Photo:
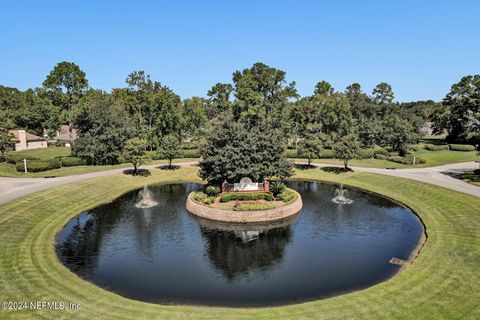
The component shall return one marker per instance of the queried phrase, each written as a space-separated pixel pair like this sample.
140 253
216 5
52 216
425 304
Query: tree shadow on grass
140 172
336 170
166 167
303 166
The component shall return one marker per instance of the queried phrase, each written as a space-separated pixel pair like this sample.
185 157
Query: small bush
246 196
461 147
413 147
368 153
199 196
209 200
251 207
277 187
326 154
70 161
381 157
38 165
212 190
2 158
380 151
287 196
14 158
436 147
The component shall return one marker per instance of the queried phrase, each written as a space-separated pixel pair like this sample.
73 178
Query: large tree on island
65 85
232 151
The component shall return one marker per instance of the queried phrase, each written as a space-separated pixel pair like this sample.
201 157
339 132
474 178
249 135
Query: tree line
258 108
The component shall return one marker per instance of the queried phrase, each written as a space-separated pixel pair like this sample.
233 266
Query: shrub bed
461 147
380 151
246 196
436 147
366 153
407 159
191 153
251 207
38 165
201 197
70 161
287 196
14 158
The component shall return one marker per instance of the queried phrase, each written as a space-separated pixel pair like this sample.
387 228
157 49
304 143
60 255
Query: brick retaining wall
244 216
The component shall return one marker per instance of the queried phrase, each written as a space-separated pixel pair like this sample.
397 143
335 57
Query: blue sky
420 47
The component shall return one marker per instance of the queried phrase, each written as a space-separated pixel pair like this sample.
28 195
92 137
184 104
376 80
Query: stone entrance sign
246 184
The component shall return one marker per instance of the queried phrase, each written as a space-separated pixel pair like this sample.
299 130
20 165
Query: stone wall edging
244 216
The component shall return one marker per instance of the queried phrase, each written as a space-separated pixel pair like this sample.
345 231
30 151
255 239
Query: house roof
30 137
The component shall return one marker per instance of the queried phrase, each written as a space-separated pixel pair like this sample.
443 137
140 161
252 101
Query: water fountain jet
145 199
341 196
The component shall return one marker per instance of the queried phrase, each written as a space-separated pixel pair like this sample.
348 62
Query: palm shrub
212 190
277 187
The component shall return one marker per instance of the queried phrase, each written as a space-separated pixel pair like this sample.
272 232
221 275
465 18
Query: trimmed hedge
245 196
461 147
413 147
14 158
2 158
191 153
70 161
38 165
407 160
436 147
381 157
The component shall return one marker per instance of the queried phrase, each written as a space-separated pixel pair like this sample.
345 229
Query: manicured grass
45 153
433 158
8 170
442 283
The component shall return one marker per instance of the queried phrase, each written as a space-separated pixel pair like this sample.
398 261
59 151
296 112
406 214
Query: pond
165 255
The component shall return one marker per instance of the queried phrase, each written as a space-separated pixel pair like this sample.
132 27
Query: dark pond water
165 255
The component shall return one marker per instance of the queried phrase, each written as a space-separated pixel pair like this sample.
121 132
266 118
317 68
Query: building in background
62 135
26 141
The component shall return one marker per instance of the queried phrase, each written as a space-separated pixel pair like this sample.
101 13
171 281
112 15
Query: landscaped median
245 207
442 282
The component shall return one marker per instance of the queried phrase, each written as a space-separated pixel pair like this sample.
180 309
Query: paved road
14 188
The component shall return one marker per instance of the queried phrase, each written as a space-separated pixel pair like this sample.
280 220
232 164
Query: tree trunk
135 169
345 163
169 163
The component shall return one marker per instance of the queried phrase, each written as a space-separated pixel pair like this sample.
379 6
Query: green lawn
442 283
9 170
45 153
433 158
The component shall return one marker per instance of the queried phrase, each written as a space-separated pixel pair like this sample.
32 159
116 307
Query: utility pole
25 165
